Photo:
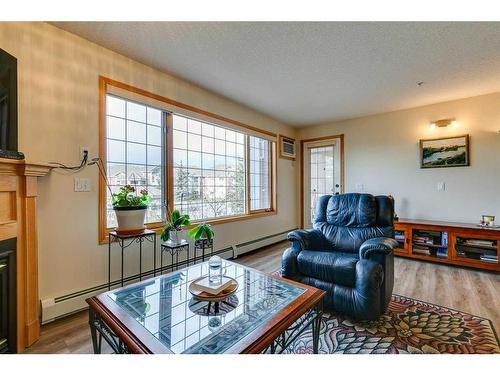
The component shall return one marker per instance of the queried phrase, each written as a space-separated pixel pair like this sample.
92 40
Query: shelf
432 258
428 245
475 260
486 247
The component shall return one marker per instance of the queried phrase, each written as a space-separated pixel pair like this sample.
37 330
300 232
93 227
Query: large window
135 144
210 177
207 170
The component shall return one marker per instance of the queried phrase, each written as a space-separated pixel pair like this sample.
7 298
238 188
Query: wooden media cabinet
460 244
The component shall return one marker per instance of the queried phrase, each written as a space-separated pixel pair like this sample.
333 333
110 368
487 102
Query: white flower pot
175 237
130 219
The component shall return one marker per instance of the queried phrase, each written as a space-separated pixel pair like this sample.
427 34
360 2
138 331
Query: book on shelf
423 251
444 239
442 253
473 242
423 240
489 258
473 249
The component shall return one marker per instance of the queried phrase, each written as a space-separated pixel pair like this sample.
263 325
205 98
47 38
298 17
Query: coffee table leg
316 327
93 332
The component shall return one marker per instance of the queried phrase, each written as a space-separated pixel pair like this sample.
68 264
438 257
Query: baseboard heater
58 307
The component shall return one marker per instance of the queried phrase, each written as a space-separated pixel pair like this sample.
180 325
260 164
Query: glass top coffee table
159 315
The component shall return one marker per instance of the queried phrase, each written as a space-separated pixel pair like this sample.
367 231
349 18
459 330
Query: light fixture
444 123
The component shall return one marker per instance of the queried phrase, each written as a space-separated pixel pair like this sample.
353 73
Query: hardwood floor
475 292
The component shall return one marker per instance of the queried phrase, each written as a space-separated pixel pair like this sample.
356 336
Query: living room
249 187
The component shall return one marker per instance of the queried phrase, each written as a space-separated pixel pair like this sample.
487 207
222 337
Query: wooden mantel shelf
18 192
24 168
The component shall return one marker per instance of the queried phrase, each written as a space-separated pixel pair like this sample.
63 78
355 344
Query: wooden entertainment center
458 244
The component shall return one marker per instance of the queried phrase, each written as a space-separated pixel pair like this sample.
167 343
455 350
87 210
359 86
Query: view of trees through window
209 169
209 163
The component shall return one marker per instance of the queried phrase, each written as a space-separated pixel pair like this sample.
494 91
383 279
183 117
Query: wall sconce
444 123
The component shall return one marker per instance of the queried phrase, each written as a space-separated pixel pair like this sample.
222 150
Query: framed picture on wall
445 152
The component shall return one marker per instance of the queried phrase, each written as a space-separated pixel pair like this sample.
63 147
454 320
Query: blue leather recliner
348 254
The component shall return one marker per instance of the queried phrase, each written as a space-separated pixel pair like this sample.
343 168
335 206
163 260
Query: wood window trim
339 137
103 231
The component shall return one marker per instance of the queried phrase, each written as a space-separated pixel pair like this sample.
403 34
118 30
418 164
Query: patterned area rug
409 326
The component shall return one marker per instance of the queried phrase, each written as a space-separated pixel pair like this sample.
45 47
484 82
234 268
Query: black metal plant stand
174 249
125 241
204 245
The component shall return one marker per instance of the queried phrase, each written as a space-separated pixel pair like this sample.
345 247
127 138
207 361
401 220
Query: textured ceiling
304 73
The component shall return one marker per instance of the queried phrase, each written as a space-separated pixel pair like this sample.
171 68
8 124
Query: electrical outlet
82 184
360 187
441 186
82 152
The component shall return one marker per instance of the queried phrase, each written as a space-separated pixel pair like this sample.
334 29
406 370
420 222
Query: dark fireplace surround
8 295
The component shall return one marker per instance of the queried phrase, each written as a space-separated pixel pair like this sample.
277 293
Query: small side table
205 245
174 249
125 241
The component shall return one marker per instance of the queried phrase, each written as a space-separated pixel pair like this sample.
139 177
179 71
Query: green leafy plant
203 230
176 222
128 197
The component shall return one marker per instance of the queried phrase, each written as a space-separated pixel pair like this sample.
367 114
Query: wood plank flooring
475 292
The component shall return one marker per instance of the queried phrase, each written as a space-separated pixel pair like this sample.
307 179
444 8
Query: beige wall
58 113
382 153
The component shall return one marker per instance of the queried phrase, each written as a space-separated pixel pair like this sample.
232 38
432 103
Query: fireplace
7 295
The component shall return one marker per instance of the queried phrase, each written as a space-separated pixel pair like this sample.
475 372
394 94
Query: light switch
441 186
82 184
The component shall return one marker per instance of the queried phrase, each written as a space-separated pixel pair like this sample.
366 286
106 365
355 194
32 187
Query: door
322 174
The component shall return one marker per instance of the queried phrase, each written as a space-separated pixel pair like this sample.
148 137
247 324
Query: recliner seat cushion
334 267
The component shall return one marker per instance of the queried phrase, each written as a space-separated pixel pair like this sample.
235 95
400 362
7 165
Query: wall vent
287 148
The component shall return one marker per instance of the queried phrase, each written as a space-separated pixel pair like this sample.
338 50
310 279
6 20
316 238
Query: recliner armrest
309 239
377 246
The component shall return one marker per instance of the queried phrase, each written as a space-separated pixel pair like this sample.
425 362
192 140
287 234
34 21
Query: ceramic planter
175 237
130 219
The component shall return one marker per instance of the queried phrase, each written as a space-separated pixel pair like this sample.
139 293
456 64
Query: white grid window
260 174
209 169
135 148
322 174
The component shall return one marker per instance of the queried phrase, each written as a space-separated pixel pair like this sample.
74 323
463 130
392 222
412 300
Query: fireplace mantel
18 192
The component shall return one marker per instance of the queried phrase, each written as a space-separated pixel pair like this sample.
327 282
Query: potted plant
174 226
130 209
202 231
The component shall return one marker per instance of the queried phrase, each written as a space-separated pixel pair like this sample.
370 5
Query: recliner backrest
347 220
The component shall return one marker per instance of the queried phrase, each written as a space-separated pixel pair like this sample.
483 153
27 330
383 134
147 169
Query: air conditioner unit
287 148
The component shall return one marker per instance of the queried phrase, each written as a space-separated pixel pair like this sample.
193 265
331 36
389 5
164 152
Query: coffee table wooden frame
125 335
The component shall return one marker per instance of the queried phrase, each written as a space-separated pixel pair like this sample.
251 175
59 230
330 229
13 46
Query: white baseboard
257 244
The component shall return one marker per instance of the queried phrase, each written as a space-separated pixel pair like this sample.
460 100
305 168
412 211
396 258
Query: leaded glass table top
166 309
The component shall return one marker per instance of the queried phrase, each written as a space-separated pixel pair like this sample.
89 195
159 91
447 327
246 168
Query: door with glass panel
322 175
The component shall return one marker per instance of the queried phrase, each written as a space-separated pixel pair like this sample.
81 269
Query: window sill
157 227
